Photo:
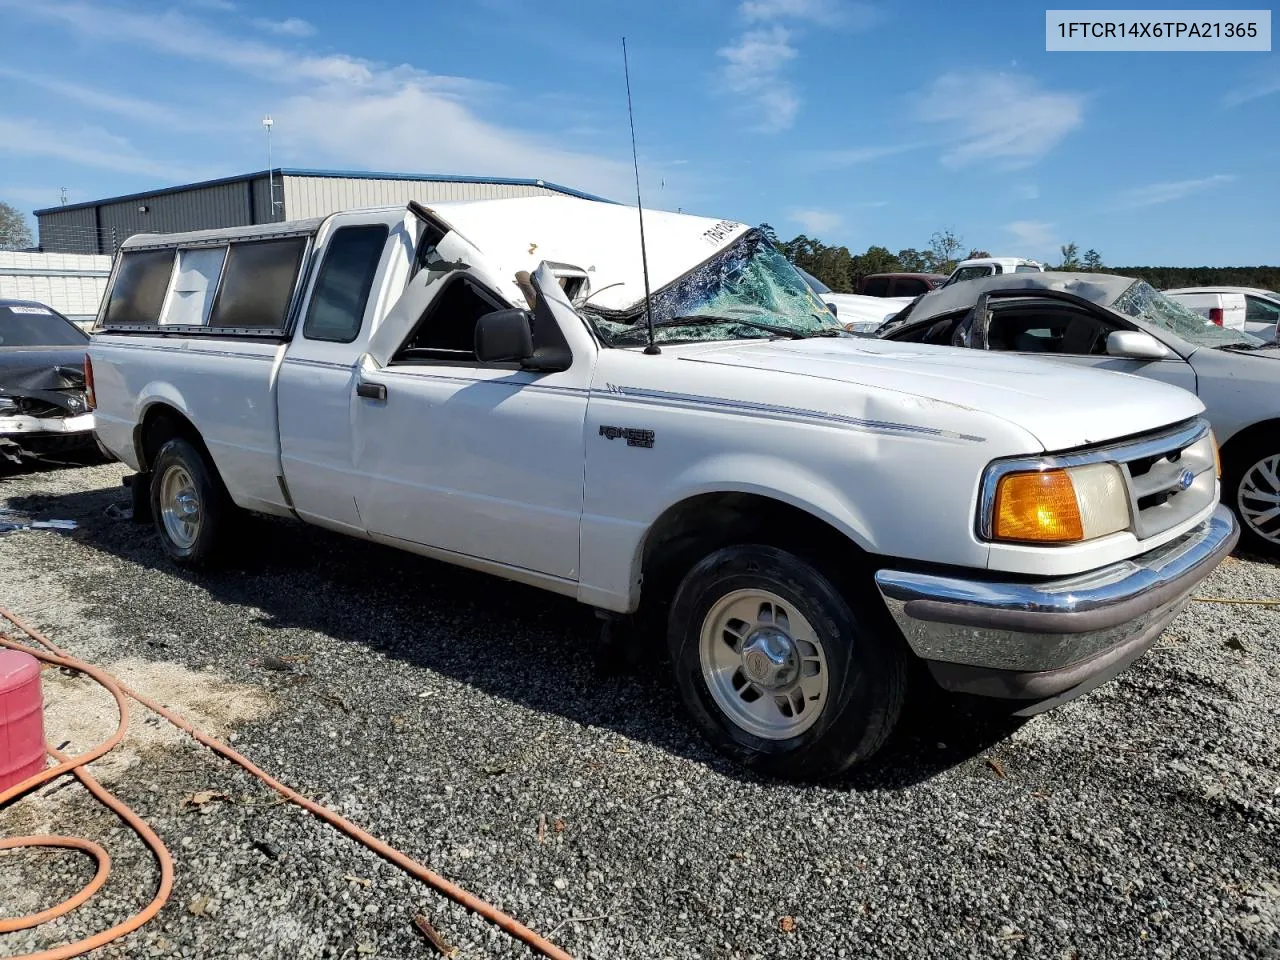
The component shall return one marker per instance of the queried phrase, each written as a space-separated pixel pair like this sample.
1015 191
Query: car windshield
28 325
1144 302
748 279
815 284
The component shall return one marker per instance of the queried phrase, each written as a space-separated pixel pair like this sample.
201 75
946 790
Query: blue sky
859 123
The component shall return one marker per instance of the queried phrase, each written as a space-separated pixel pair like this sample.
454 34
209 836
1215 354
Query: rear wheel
191 509
776 667
1251 486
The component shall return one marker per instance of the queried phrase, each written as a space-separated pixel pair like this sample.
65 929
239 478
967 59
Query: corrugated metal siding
321 196
262 201
68 231
226 205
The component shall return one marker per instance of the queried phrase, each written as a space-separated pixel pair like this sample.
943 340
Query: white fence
71 283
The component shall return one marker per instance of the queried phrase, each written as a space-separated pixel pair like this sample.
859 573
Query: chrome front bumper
1048 641
26 425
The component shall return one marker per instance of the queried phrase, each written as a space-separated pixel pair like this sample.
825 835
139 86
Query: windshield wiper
708 320
1245 346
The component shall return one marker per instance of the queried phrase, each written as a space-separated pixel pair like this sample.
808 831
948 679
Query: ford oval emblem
1185 479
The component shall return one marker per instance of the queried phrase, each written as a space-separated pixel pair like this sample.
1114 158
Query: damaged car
43 404
1125 325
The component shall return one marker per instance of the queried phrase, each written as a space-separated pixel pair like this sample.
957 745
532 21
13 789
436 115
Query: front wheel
776 667
1251 487
191 509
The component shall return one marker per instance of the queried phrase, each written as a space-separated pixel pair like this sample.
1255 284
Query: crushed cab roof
602 239
1100 288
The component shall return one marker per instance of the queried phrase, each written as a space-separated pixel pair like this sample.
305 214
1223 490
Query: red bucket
22 751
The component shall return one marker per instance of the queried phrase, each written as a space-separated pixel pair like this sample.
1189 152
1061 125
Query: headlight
1058 505
8 405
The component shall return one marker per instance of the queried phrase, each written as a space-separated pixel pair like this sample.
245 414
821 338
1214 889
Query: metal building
100 226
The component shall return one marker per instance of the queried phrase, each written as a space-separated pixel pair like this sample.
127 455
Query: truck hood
1062 406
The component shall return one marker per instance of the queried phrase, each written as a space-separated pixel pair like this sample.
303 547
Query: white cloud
336 108
292 27
85 145
37 197
179 35
1034 238
1263 83
817 221
753 67
852 156
756 59
133 108
409 127
997 117
1154 193
827 12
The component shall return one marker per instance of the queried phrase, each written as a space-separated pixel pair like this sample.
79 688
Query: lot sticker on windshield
38 311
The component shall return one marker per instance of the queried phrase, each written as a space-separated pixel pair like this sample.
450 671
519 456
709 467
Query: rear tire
776 667
1251 488
192 511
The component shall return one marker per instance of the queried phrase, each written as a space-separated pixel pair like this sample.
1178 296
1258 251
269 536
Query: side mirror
1135 345
504 336
832 308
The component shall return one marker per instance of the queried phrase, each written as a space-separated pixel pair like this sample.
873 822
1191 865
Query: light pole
267 123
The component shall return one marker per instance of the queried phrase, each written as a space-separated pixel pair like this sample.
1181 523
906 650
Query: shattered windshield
1144 302
747 290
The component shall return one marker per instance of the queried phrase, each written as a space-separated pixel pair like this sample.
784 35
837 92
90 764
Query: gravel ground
452 714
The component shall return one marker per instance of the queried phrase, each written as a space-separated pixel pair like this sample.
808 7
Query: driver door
476 460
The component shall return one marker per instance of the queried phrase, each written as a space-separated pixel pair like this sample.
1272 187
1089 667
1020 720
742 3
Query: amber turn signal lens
1217 455
1037 507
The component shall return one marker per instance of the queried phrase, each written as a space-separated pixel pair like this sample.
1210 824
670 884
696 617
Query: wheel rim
180 507
1258 498
764 664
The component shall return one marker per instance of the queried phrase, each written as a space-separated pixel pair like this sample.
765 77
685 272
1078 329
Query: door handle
371 391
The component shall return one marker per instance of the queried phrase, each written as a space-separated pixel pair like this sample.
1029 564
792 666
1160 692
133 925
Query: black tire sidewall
1235 470
866 668
213 510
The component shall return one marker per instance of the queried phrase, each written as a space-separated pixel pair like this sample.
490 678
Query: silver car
1126 325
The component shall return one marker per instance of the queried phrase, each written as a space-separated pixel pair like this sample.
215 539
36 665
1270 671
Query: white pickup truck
805 512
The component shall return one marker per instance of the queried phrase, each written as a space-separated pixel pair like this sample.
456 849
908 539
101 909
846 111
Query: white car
1121 324
858 314
1249 309
801 512
991 267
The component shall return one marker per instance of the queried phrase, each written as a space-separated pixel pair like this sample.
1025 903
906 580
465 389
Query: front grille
31 407
1170 476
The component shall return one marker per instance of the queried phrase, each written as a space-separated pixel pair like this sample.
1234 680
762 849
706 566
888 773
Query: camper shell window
233 287
141 283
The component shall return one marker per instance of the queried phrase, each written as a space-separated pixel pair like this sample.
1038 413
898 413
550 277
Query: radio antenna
652 348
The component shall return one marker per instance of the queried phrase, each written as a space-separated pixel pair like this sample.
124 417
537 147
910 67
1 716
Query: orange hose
75 765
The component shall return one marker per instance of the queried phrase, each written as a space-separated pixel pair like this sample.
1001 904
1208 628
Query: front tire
192 511
776 667
1251 487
